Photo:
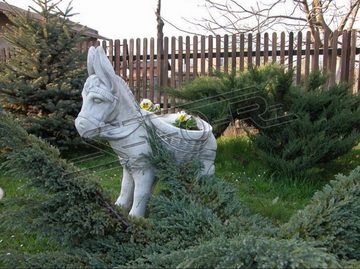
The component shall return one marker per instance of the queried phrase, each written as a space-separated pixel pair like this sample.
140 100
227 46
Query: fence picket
249 52
166 68
159 64
124 62
195 56
352 56
117 56
233 54
202 55
144 68
131 64
137 68
226 53
282 48
210 55
333 58
291 50
307 54
217 52
152 70
180 59
173 74
274 47
344 58
298 58
187 58
315 57
266 48
326 52
242 52
257 51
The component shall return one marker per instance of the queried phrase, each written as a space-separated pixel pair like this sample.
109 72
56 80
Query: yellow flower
146 104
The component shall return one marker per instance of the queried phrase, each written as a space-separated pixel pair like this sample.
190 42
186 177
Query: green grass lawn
276 198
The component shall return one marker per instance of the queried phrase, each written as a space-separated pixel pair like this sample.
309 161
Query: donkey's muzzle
86 128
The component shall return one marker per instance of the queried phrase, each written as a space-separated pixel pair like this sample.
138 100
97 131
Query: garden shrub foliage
332 218
192 222
299 128
327 126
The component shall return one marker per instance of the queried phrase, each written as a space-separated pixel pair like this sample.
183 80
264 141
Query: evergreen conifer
41 84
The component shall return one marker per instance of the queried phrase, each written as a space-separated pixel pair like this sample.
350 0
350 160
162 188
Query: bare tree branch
354 8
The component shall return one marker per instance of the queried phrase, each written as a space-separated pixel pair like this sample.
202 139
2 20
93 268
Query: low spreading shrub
193 221
332 218
241 251
76 207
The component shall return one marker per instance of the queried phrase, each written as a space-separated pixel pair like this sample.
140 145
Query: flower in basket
147 105
185 121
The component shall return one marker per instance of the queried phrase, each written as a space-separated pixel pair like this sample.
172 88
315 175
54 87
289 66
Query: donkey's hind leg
127 190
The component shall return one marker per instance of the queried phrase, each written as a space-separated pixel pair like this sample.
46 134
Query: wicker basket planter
185 142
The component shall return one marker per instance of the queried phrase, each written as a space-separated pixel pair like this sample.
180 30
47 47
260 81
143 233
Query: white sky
118 19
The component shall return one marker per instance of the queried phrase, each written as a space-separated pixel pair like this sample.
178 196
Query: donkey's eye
97 100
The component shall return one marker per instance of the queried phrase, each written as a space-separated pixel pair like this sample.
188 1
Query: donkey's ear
103 68
90 61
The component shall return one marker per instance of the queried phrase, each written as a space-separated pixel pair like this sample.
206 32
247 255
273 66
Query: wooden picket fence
150 65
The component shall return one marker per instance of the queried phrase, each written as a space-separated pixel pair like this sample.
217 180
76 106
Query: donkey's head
100 95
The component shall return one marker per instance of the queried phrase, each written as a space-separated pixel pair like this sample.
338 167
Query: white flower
157 108
182 116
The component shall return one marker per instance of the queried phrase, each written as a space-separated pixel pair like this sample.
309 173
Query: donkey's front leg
143 180
127 190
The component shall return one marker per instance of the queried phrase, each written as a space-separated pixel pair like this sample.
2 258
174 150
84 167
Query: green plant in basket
185 121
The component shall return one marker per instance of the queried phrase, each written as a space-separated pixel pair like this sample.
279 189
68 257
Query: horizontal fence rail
151 65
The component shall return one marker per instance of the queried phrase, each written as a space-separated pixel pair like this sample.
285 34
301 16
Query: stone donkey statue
109 111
